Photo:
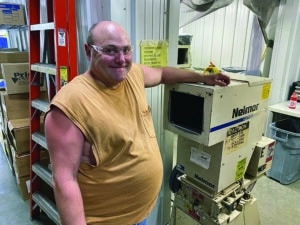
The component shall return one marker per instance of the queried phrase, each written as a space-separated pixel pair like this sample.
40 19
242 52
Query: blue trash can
286 160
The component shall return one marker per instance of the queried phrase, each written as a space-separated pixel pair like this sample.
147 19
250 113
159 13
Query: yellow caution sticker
236 137
63 70
240 169
266 91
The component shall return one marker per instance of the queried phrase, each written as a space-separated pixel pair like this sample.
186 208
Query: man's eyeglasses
112 50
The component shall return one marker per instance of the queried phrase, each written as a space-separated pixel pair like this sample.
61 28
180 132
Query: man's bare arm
65 144
171 75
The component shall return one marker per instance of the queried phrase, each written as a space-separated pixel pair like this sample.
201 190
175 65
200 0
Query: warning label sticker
266 91
201 158
236 137
61 37
240 169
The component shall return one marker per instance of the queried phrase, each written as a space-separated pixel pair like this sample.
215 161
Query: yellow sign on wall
154 53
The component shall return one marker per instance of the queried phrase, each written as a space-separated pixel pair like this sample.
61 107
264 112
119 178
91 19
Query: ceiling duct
200 8
262 9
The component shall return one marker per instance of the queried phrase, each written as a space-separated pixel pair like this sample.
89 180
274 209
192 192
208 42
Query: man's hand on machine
216 79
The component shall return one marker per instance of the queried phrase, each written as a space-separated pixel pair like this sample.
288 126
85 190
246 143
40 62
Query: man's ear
88 51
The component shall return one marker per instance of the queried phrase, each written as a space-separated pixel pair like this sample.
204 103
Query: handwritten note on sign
154 53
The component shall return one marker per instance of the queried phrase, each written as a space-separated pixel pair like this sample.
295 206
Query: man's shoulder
136 69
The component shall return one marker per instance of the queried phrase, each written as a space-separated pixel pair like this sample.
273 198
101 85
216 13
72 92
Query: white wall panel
242 31
285 62
221 37
217 41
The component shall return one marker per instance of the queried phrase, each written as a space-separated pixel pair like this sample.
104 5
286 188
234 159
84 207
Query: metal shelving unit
52 67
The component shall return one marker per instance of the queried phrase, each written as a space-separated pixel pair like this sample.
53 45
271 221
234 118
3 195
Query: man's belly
121 191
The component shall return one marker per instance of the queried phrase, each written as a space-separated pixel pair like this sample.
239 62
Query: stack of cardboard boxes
14 99
15 116
12 14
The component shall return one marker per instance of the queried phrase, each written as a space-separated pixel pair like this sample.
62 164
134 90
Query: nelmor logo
20 77
245 110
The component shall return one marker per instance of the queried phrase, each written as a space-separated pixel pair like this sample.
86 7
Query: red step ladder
52 66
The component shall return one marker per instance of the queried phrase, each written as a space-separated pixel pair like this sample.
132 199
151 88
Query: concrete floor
13 209
278 204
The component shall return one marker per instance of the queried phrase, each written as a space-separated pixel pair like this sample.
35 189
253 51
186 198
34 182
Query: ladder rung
42 26
39 138
43 172
39 104
47 206
44 68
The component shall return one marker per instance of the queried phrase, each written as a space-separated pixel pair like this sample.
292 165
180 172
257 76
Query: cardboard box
8 153
21 163
19 135
12 14
15 106
3 137
45 158
23 184
16 76
12 55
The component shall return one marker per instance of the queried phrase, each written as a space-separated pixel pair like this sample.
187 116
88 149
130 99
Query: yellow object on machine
211 69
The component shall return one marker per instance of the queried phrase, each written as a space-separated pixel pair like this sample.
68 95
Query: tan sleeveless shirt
123 186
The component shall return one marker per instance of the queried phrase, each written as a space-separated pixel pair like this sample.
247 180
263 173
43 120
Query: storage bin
286 160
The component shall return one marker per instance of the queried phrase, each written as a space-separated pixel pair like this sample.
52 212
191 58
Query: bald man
105 159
